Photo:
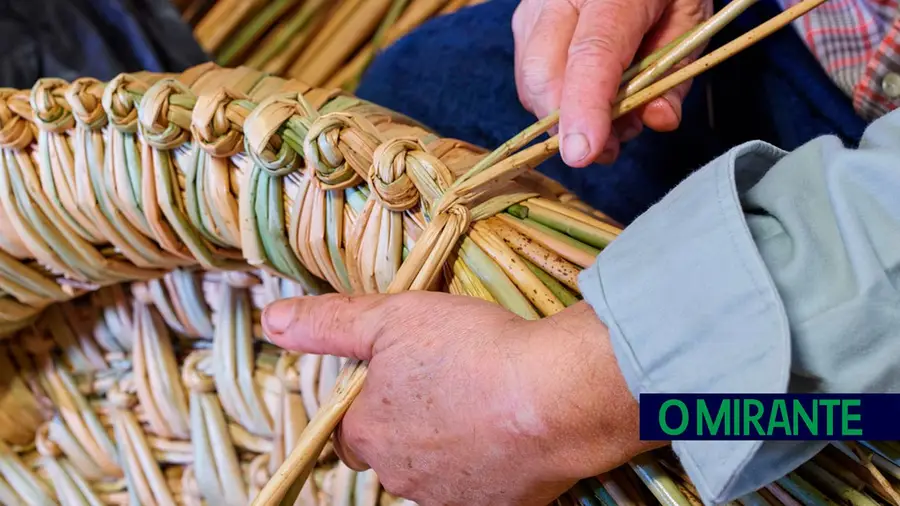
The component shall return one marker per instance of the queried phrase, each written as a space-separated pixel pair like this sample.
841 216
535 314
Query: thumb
333 324
606 38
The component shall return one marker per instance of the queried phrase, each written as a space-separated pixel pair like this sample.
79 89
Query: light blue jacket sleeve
763 272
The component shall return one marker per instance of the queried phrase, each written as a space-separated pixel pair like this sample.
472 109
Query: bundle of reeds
325 43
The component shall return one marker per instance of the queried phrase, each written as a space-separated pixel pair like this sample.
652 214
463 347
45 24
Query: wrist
589 411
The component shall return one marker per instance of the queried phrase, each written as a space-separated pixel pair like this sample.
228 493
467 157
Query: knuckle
592 50
328 319
414 309
537 78
696 10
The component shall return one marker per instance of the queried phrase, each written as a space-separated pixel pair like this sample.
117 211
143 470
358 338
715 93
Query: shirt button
891 85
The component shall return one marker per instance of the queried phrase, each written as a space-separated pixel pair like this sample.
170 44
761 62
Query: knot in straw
462 215
156 114
16 132
194 373
43 444
216 125
388 176
85 101
120 399
288 371
262 141
51 112
323 151
120 99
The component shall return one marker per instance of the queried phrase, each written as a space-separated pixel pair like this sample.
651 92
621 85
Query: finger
542 65
678 18
628 127
361 429
523 21
349 454
329 324
610 151
346 453
606 39
664 113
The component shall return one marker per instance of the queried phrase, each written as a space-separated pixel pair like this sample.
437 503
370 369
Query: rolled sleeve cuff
691 308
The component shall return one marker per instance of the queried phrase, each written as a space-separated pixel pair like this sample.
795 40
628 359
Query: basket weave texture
143 224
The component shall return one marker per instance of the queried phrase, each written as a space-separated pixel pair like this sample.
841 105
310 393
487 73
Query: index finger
606 39
541 64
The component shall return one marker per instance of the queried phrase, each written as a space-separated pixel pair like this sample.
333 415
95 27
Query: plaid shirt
858 44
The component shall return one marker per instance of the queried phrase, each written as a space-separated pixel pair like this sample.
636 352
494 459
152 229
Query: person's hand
465 402
571 54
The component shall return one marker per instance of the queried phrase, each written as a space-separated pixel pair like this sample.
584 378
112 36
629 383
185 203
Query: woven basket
143 224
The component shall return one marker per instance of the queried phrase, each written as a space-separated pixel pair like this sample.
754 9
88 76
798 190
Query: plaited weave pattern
144 223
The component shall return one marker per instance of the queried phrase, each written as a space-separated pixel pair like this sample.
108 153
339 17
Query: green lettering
812 424
705 419
684 417
829 414
753 418
737 418
779 418
847 417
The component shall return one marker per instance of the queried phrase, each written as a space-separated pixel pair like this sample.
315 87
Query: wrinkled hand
466 403
571 54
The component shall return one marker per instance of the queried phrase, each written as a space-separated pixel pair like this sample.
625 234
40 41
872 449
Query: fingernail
277 317
575 147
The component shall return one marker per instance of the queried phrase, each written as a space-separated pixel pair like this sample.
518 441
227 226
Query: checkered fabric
858 44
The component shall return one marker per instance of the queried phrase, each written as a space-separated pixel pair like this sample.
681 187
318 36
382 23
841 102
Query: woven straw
143 224
159 391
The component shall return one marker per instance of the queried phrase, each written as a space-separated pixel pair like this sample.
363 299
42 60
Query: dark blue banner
829 417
